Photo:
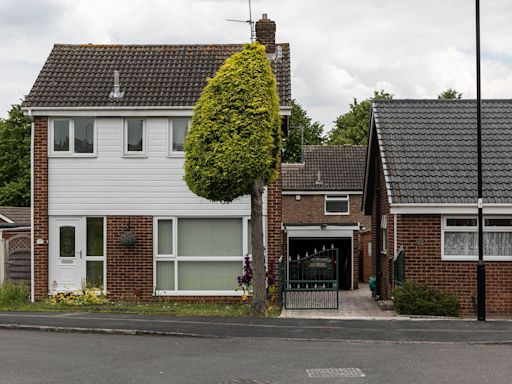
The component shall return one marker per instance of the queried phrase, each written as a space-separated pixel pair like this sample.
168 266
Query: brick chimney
266 33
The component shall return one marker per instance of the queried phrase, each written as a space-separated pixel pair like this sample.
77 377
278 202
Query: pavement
354 304
375 331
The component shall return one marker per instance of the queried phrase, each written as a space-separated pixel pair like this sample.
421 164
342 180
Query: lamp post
480 271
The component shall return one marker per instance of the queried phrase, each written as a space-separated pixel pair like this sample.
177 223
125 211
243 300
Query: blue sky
340 48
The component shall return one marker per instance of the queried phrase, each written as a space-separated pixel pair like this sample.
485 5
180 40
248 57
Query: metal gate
311 282
17 260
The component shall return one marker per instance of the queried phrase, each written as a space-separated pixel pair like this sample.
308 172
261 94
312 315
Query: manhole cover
246 381
334 372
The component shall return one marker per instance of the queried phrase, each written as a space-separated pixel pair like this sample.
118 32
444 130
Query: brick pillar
274 220
40 207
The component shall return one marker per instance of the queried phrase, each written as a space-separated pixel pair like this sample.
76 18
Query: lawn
156 308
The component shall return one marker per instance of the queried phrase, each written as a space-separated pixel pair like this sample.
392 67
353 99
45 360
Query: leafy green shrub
417 299
14 293
85 297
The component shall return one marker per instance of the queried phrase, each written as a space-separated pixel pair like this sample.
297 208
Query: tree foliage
234 144
301 124
352 127
450 94
235 137
15 159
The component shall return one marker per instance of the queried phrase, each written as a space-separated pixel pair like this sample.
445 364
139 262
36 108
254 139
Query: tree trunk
259 299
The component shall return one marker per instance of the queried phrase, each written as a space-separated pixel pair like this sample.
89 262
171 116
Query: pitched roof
326 168
150 75
429 149
19 215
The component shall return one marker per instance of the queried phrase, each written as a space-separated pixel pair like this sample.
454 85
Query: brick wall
420 237
364 239
311 209
40 199
130 269
274 221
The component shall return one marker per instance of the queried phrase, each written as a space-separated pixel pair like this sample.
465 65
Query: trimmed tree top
235 137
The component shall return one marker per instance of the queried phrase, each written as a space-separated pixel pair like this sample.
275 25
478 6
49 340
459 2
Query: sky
340 49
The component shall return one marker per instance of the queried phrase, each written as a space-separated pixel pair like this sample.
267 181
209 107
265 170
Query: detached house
110 206
421 189
322 206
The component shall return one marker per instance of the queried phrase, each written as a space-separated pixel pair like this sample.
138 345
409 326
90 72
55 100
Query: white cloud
340 49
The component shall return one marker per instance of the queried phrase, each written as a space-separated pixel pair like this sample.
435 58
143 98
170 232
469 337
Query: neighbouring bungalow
421 190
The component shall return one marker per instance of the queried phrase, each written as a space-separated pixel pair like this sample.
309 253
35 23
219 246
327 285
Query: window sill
198 293
134 156
174 155
337 214
73 155
475 258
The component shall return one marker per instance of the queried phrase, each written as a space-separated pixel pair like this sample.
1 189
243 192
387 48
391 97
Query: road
49 357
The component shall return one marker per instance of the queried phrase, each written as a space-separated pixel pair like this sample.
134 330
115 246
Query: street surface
49 357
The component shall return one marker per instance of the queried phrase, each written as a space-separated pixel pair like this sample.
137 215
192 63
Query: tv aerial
250 22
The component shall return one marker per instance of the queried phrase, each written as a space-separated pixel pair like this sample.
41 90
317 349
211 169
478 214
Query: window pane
165 237
61 135
498 222
208 275
67 241
461 222
210 237
460 243
179 131
95 236
336 206
498 243
84 135
135 135
165 275
94 277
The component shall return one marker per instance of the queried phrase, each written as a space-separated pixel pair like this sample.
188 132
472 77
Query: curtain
208 275
165 237
165 275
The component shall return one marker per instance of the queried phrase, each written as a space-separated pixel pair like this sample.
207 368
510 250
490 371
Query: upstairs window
73 137
178 131
135 141
336 205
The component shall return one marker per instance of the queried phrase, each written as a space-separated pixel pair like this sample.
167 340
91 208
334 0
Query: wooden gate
17 259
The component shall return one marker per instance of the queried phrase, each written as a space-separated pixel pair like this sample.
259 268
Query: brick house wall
40 201
365 238
274 222
311 209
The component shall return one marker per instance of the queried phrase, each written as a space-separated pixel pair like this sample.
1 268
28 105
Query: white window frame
71 151
171 152
384 234
445 228
97 258
334 197
125 151
176 258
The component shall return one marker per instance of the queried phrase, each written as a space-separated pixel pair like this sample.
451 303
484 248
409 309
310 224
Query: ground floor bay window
460 238
199 256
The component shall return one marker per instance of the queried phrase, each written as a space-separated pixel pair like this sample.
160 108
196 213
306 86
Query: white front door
67 261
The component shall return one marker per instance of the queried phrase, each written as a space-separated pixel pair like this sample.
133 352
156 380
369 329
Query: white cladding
110 184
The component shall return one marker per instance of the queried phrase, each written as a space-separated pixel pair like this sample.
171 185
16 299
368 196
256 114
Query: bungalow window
72 137
134 137
198 255
178 131
460 238
336 205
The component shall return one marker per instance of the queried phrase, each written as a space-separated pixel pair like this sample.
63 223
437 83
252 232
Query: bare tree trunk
259 299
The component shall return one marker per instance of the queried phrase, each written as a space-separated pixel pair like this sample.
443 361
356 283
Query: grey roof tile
429 147
340 167
20 215
150 75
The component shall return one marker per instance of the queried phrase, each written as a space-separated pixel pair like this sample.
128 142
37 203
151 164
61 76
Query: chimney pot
266 33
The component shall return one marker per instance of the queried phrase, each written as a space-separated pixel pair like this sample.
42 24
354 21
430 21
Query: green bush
417 299
14 293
